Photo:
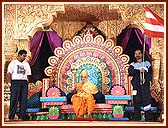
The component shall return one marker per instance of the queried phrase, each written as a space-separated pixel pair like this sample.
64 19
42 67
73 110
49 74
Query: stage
99 39
84 123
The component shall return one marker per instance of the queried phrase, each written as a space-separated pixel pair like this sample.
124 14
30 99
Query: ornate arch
32 18
88 50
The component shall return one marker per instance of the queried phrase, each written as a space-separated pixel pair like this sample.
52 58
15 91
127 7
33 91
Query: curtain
124 38
54 40
35 44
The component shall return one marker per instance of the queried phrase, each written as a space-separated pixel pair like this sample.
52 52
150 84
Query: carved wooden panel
30 17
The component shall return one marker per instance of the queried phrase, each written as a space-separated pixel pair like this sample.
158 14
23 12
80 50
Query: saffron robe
84 101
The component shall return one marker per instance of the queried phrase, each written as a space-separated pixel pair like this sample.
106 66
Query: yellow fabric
89 88
84 101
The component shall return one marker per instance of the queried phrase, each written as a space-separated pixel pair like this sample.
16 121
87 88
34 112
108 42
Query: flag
154 26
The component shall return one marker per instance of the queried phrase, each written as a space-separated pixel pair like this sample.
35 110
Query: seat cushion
99 108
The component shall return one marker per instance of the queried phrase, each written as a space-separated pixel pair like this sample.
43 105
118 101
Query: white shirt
19 70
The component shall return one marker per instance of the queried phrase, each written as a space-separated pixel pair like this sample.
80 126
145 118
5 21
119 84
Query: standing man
142 75
18 71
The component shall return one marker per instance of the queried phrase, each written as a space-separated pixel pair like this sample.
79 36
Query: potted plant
53 112
118 111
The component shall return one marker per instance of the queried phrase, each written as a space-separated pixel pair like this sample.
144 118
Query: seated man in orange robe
83 101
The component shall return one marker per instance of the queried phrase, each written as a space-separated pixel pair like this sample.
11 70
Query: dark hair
138 50
21 52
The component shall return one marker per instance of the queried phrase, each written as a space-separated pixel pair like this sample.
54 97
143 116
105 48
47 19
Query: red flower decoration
76 57
89 53
117 91
53 92
95 54
82 54
108 61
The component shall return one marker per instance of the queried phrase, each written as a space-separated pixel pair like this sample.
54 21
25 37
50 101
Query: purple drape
54 40
35 44
124 38
141 39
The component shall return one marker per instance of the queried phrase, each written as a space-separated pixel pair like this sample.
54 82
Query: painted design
103 57
118 91
53 92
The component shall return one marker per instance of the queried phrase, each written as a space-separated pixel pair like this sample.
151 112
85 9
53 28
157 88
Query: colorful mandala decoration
53 92
103 60
95 68
118 90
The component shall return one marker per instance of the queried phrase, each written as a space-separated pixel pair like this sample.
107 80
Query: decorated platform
107 69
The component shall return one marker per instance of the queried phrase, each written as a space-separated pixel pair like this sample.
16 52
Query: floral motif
117 90
53 92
